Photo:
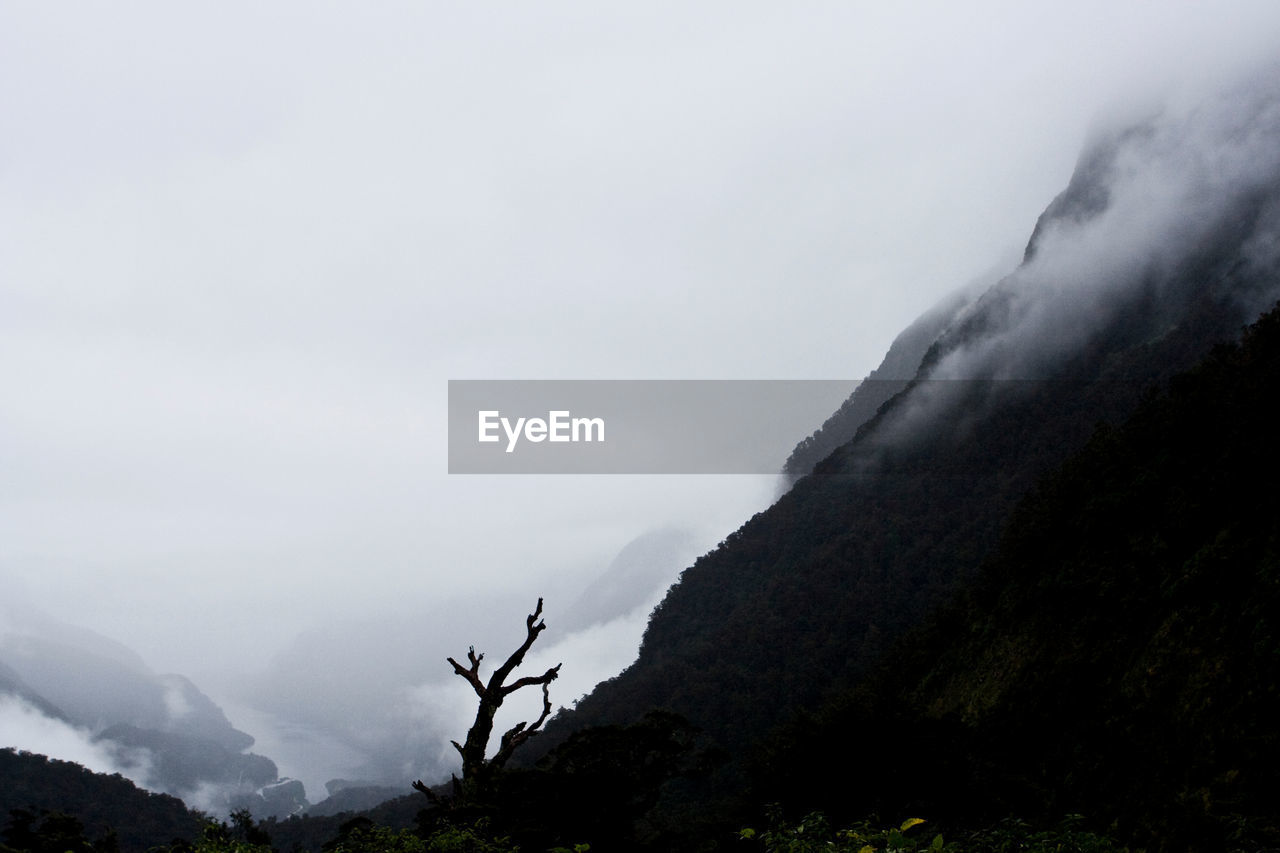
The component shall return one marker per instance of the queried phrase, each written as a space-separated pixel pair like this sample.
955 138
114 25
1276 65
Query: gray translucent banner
634 426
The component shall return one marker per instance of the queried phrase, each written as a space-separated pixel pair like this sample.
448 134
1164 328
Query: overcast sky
244 245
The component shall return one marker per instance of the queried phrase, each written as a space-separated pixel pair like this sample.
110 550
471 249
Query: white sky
243 247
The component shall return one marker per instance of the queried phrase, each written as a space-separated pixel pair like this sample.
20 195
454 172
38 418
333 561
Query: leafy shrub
813 833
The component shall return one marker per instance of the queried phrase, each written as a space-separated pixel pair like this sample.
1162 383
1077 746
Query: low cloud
27 729
1149 203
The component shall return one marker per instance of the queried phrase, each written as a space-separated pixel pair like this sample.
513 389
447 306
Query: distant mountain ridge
643 568
161 729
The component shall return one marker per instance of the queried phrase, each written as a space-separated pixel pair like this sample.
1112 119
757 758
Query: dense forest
1118 654
108 810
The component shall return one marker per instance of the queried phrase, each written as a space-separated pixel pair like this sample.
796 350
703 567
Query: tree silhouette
476 771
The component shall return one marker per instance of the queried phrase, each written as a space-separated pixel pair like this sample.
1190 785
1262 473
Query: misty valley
1020 591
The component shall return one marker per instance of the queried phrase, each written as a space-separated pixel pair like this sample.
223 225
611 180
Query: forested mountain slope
100 804
1119 654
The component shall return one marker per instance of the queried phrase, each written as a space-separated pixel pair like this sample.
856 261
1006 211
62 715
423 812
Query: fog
33 731
244 248
1150 197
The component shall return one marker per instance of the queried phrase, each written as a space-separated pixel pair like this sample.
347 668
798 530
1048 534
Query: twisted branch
491 696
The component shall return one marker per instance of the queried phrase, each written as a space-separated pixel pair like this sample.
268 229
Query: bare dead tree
476 772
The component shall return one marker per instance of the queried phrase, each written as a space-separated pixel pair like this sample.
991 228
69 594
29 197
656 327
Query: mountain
160 729
1165 242
1117 654
644 567
94 690
345 796
100 804
11 684
895 372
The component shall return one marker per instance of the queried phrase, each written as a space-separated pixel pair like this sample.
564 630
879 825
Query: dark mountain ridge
1118 654
102 804
893 375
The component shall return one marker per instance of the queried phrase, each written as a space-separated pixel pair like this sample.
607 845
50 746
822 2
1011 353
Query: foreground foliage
814 833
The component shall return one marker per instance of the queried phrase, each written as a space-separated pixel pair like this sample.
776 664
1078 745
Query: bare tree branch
476 771
518 734
435 798
534 628
472 674
530 680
